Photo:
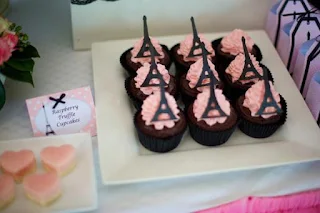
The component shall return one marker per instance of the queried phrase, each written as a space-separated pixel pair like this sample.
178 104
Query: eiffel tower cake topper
268 99
213 104
147 44
153 73
196 42
49 130
248 65
205 70
164 107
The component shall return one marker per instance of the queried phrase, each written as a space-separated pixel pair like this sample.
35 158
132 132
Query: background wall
121 19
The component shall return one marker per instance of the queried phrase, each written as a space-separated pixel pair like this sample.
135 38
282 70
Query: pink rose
12 40
5 51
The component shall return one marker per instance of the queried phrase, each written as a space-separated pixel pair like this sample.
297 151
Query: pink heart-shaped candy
14 162
7 188
57 156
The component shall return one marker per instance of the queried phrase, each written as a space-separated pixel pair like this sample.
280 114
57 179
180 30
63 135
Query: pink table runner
304 202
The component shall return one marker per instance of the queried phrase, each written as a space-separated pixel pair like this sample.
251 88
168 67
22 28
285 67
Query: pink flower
12 40
5 51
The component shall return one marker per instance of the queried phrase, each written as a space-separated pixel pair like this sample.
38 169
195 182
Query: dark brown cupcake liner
223 62
210 138
135 101
160 145
264 130
133 72
233 92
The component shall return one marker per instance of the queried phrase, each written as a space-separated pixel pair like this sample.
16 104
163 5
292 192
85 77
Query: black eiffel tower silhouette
196 42
268 99
205 70
147 45
248 65
49 130
213 102
153 73
314 53
164 107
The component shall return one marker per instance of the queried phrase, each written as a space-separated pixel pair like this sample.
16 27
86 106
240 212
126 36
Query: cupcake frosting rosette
160 132
235 83
137 92
188 82
133 58
228 47
255 123
188 51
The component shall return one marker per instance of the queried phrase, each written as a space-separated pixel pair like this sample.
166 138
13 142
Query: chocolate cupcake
189 51
239 76
262 110
211 118
190 83
228 47
160 124
134 58
144 84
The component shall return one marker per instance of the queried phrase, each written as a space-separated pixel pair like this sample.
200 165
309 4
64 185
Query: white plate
79 187
124 160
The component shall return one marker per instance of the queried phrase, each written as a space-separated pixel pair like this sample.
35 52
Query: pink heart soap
18 164
7 190
43 188
61 159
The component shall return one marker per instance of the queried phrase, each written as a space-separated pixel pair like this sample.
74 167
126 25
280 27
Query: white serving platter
79 187
124 160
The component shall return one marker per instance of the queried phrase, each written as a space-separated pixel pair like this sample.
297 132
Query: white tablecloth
60 68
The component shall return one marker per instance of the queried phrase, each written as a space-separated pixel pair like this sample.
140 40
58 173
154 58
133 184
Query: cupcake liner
154 144
233 92
133 72
135 101
264 130
210 138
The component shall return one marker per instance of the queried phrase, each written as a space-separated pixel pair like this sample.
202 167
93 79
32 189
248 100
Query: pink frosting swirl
232 43
137 46
195 71
186 45
142 74
201 103
254 98
235 68
150 106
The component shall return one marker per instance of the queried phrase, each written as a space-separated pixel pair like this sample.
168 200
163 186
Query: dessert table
61 68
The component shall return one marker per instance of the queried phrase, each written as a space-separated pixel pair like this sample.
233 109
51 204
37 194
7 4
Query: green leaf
2 95
28 52
21 65
17 75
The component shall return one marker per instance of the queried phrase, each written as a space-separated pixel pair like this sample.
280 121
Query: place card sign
66 112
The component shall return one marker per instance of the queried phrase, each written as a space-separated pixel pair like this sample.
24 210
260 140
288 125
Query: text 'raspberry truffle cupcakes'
7 190
140 87
160 124
43 189
18 164
189 51
133 58
228 47
211 118
262 110
197 79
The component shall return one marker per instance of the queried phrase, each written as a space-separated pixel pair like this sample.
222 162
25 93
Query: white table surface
60 68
